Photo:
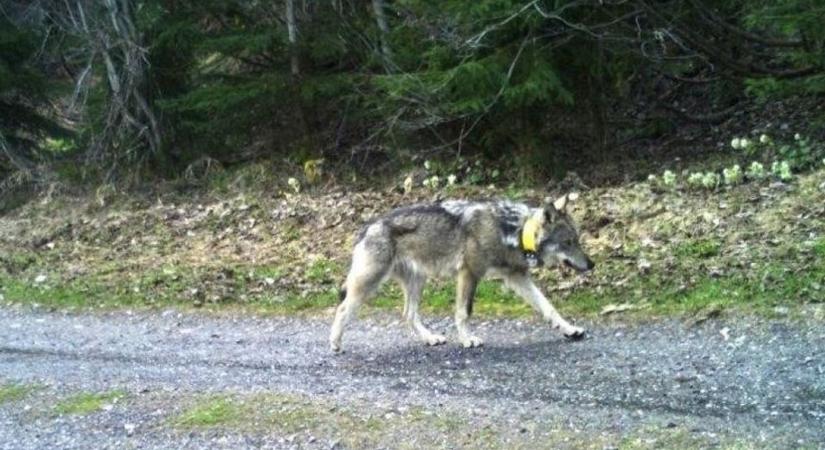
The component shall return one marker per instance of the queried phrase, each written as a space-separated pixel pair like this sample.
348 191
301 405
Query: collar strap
530 232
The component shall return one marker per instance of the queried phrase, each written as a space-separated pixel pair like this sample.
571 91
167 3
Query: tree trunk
384 29
292 30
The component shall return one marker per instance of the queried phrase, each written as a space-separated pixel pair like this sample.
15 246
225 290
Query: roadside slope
757 246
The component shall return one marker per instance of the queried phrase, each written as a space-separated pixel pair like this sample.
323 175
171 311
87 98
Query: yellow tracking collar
530 233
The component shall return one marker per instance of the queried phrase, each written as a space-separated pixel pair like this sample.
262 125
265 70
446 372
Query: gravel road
751 382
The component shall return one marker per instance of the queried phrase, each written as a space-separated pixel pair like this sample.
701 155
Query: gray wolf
467 240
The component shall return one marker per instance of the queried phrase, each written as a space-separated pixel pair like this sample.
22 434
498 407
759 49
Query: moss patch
87 402
287 414
212 412
358 425
13 392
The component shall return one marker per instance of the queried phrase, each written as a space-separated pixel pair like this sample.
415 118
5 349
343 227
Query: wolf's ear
561 203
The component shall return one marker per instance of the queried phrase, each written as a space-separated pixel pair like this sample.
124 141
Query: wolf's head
556 238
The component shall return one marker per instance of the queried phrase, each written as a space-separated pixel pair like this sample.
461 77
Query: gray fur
464 239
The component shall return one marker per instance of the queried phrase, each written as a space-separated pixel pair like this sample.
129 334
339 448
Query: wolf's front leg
526 289
465 293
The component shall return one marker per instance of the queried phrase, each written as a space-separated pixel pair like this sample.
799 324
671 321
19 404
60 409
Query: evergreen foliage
24 92
449 75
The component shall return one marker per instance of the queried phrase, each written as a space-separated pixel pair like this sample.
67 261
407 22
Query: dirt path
721 383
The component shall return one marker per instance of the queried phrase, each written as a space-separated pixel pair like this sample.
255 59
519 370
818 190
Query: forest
125 91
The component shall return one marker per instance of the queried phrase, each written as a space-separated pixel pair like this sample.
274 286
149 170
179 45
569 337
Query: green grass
360 425
686 288
354 425
759 292
15 262
654 438
701 248
87 402
13 392
284 413
819 248
323 271
71 295
211 412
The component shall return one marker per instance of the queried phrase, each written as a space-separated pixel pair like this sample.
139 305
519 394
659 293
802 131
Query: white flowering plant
710 180
756 171
669 178
732 175
801 154
431 182
781 170
695 180
457 172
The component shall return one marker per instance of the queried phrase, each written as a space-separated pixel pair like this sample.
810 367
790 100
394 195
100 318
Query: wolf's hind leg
369 269
413 285
465 293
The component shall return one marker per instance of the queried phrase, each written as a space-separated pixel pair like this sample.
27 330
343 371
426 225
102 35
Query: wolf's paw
575 333
471 341
335 347
435 339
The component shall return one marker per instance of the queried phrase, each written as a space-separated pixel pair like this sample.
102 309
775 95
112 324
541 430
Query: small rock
130 428
725 332
781 311
40 278
644 266
682 377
